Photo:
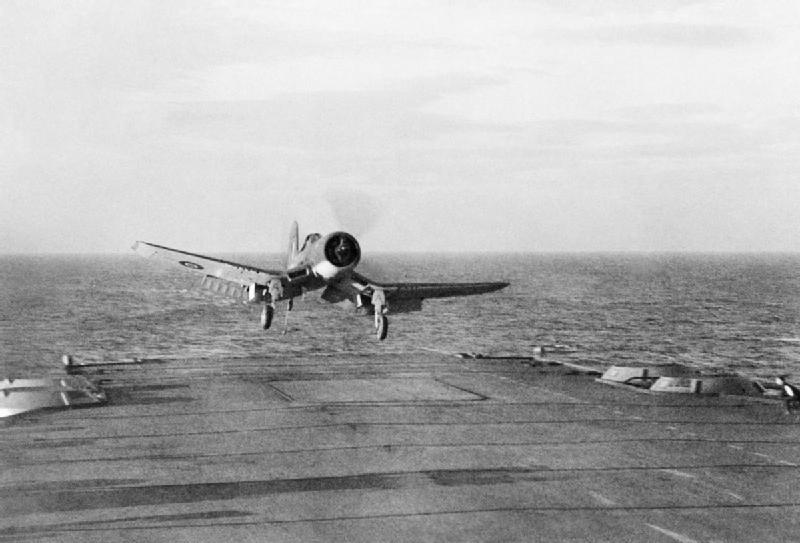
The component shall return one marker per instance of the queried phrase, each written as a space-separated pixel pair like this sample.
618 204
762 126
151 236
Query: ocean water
723 312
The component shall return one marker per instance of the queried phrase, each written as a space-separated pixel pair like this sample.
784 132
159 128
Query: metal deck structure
397 447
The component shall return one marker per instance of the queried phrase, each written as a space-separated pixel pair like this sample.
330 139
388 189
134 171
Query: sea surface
715 312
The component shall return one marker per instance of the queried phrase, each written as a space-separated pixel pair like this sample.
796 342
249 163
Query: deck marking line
680 473
778 460
768 457
674 535
602 499
543 389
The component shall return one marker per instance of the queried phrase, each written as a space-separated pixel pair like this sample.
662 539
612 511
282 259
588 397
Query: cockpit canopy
311 238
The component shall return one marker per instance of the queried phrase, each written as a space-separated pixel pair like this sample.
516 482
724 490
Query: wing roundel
234 272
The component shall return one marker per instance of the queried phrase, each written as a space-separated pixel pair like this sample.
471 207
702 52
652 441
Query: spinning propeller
356 212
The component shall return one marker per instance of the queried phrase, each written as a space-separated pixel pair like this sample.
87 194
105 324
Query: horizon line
455 252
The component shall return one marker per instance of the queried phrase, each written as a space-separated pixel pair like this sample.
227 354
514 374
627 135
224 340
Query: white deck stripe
674 535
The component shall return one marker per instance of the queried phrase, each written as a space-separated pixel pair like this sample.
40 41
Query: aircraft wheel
266 316
383 328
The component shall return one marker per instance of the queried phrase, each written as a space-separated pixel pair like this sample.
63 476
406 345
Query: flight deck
414 446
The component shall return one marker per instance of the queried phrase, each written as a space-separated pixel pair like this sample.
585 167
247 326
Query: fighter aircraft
324 263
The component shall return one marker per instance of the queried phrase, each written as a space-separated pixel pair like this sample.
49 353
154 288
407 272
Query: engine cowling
339 252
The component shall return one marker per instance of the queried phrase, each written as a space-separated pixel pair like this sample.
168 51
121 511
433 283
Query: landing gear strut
378 299
289 306
275 288
381 322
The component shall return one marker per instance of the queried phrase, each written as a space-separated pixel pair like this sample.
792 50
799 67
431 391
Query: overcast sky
539 125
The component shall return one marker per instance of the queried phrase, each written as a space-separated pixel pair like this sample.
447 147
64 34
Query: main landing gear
268 312
266 316
380 307
381 327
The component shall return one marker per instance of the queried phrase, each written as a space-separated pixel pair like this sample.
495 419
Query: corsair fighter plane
324 263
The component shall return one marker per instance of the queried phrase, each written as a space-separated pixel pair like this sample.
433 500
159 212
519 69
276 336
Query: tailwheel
383 327
266 316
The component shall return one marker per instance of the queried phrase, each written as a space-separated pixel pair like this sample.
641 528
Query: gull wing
240 274
403 291
404 297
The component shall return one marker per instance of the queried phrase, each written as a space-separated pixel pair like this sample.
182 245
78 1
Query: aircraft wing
233 272
404 297
402 291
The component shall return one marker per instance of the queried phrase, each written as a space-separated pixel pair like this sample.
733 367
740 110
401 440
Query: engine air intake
342 250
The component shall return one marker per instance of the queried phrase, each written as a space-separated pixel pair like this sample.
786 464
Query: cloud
80 45
675 35
621 7
670 111
331 119
150 118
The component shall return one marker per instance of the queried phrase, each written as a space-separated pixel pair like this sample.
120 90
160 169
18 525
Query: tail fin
294 244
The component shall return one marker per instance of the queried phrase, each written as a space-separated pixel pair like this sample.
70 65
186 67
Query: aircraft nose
342 250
